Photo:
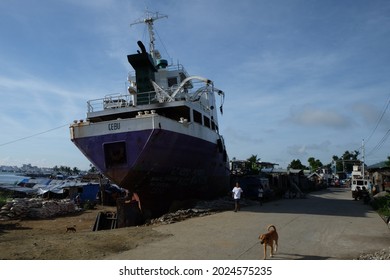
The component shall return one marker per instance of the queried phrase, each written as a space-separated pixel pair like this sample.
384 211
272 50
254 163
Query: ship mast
149 18
363 151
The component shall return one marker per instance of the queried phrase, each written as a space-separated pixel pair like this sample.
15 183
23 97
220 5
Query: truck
361 186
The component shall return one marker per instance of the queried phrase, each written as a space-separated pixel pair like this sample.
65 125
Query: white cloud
315 116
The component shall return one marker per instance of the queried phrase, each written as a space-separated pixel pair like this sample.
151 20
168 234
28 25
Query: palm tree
253 166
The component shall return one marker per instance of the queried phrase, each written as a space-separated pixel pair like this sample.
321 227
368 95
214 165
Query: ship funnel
141 46
144 67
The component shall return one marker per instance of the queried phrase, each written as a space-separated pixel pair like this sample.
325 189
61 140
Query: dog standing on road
270 239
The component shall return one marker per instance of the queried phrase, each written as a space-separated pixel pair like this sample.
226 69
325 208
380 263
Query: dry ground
48 239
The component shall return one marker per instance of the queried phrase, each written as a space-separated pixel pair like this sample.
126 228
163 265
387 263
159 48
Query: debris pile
383 254
178 216
202 208
36 208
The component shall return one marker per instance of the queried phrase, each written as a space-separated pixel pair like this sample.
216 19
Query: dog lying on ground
71 229
270 239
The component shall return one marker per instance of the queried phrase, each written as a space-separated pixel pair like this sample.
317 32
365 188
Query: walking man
237 191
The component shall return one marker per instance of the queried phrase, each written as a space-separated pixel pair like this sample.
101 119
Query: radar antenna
148 19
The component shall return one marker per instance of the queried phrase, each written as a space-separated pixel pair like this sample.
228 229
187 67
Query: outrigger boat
161 138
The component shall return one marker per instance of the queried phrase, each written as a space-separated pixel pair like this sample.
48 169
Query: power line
379 120
380 143
387 134
27 137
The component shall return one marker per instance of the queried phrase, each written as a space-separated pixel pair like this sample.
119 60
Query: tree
76 171
92 168
253 167
351 155
66 170
296 164
314 163
387 163
56 169
346 161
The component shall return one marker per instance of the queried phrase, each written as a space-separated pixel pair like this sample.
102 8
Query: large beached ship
161 138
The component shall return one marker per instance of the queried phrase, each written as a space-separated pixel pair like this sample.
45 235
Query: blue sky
302 78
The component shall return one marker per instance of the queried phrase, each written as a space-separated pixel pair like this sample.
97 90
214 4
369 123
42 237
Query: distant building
380 177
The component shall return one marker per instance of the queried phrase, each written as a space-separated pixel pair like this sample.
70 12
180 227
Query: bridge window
206 121
172 81
197 117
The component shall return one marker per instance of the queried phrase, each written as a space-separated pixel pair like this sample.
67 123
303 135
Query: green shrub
89 205
382 205
3 199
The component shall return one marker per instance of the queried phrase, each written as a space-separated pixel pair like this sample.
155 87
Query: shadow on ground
331 201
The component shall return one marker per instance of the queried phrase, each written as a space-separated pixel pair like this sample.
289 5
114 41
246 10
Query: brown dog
270 239
71 229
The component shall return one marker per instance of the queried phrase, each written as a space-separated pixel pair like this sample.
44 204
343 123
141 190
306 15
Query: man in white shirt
237 191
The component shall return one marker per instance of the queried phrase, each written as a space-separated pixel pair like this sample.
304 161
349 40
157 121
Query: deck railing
117 100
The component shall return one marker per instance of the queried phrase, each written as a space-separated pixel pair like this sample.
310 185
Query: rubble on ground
36 208
202 208
383 254
178 216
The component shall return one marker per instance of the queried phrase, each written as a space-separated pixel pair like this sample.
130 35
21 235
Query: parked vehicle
361 187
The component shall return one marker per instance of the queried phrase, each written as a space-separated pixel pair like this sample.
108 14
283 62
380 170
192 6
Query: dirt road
325 225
